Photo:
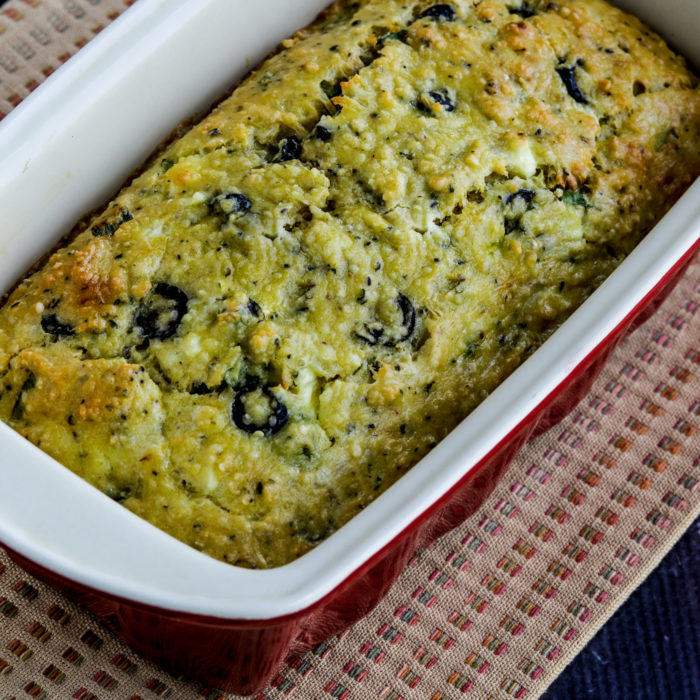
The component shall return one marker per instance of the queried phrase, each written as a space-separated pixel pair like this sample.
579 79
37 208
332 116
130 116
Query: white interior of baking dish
70 145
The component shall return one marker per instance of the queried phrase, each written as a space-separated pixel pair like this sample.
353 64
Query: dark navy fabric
650 648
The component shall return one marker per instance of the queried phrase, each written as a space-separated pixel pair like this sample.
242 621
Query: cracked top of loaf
315 284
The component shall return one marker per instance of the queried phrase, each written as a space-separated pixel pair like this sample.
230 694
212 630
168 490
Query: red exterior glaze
242 655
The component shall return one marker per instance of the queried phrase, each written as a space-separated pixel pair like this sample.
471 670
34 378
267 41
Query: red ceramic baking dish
195 616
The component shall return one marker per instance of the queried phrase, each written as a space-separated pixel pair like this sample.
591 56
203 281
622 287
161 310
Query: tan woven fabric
498 606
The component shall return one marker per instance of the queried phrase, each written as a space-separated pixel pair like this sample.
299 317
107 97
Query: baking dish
205 619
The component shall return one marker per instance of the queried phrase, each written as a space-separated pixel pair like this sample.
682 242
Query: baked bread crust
316 283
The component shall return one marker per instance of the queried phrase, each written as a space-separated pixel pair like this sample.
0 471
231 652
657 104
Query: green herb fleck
471 350
396 36
663 137
576 198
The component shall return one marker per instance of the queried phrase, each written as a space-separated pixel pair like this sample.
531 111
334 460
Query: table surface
648 649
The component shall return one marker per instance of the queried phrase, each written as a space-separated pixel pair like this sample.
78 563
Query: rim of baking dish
57 520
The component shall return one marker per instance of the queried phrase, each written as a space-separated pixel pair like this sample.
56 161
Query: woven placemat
494 609
649 649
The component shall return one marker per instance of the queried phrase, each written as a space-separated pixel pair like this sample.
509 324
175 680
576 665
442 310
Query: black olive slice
442 99
568 77
289 149
224 205
526 195
439 97
443 11
50 324
409 316
199 389
18 408
511 225
519 202
254 309
109 227
372 334
323 133
276 413
524 11
161 311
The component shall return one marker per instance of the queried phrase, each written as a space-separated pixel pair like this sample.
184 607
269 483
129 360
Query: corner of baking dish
55 519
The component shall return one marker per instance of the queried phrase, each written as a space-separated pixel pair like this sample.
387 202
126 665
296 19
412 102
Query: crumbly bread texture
314 285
